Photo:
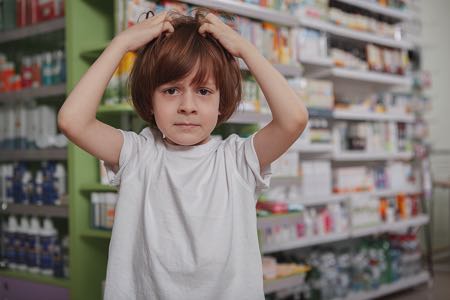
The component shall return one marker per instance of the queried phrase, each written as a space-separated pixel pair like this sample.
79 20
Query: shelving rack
54 93
88 247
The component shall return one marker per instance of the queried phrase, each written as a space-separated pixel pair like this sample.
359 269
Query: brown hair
172 57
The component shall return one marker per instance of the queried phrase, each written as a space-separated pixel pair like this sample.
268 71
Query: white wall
435 42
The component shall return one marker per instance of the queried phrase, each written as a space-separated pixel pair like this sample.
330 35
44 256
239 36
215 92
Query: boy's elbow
301 119
62 122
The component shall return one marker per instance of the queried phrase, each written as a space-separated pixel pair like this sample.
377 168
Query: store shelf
363 76
312 148
306 242
29 31
362 156
33 155
317 61
61 282
334 237
387 289
379 9
277 219
96 233
371 116
320 200
275 285
390 227
97 187
57 211
248 10
387 192
285 70
33 93
353 34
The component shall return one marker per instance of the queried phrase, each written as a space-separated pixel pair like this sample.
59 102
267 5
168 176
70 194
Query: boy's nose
187 105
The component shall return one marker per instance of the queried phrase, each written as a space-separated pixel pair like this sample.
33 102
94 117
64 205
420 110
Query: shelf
248 10
285 70
33 155
364 76
33 93
362 156
306 242
371 116
311 148
29 31
387 192
379 9
387 289
274 285
98 187
96 233
317 61
320 200
353 34
23 275
390 227
58 211
277 219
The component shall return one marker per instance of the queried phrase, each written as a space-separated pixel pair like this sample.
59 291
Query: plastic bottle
10 242
60 182
47 239
27 72
47 69
36 71
38 188
22 237
33 246
26 193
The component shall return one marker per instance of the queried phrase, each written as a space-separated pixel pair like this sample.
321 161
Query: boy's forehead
189 79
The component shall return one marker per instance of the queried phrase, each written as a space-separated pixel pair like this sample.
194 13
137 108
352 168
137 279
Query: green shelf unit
37 278
97 187
89 29
96 233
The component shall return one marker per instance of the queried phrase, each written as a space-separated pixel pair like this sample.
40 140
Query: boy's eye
204 92
170 91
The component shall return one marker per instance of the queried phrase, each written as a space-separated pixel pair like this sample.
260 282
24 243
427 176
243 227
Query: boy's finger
206 27
213 18
167 27
157 18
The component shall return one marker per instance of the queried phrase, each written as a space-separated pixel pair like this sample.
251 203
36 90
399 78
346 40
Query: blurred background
358 207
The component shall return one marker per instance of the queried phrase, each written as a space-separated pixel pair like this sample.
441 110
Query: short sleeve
248 165
133 147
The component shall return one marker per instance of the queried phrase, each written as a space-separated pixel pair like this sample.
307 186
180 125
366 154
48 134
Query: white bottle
39 181
60 182
47 239
22 236
10 242
33 246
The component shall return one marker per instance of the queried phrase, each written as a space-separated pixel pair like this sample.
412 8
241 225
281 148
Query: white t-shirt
185 223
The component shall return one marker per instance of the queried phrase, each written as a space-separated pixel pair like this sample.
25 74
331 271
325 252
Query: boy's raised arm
77 117
289 114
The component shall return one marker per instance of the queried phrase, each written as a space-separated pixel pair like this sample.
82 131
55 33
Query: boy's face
186 114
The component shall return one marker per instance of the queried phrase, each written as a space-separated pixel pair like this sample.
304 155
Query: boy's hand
228 38
142 33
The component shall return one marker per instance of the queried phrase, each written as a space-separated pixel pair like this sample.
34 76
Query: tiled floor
439 290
